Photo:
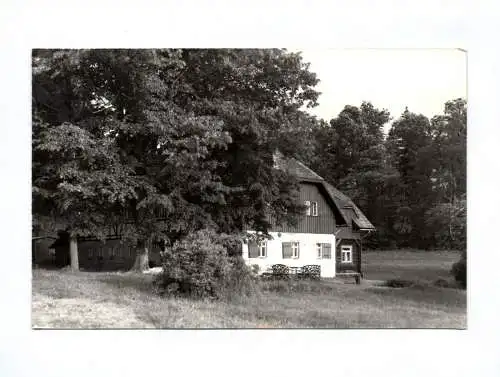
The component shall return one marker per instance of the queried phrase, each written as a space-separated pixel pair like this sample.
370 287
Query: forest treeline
191 133
410 183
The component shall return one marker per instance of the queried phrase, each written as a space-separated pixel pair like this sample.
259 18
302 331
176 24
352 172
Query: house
329 234
109 255
41 251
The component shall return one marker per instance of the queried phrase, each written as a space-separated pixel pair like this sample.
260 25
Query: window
114 251
262 249
311 208
257 249
307 203
346 254
295 249
324 250
314 208
291 250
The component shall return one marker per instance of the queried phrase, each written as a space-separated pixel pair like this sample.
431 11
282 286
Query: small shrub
444 283
255 269
398 283
199 266
240 282
459 271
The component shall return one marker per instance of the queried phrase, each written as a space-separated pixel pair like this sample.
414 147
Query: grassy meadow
62 299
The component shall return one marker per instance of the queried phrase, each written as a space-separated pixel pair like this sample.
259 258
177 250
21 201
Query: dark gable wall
324 223
356 256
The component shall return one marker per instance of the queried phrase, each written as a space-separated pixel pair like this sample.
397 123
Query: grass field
62 299
422 266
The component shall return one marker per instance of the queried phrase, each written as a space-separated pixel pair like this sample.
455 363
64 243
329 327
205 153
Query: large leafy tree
350 153
257 95
410 151
164 141
447 218
76 172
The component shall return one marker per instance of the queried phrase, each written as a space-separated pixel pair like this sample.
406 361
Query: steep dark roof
349 211
296 168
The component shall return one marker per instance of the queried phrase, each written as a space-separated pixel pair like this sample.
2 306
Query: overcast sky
422 79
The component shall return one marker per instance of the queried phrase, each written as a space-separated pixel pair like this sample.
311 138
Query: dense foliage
123 138
200 265
410 184
160 144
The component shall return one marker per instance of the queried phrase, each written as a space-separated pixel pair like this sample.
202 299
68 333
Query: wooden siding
347 232
324 223
356 256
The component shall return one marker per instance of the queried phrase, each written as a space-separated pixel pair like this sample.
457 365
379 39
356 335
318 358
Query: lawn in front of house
62 299
419 266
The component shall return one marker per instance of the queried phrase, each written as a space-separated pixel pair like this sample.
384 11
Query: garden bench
310 271
280 271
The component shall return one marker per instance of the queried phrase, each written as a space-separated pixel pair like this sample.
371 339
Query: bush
398 283
255 268
459 271
241 280
199 266
444 283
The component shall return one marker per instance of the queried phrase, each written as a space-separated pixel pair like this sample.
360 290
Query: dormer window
314 208
311 208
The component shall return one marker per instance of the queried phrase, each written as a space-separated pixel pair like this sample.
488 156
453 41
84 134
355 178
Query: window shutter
327 251
253 250
287 250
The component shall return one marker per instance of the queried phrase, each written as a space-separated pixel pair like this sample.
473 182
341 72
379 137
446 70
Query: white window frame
346 254
314 208
307 203
295 249
262 246
319 250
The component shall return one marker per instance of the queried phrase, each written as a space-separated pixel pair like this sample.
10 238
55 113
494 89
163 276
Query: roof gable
295 168
351 214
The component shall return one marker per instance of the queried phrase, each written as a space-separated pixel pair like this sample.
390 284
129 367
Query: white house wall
307 254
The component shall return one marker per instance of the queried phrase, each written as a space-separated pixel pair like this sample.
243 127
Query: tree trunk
141 263
73 253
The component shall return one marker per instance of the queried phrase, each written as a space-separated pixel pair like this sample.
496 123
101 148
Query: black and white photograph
240 188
